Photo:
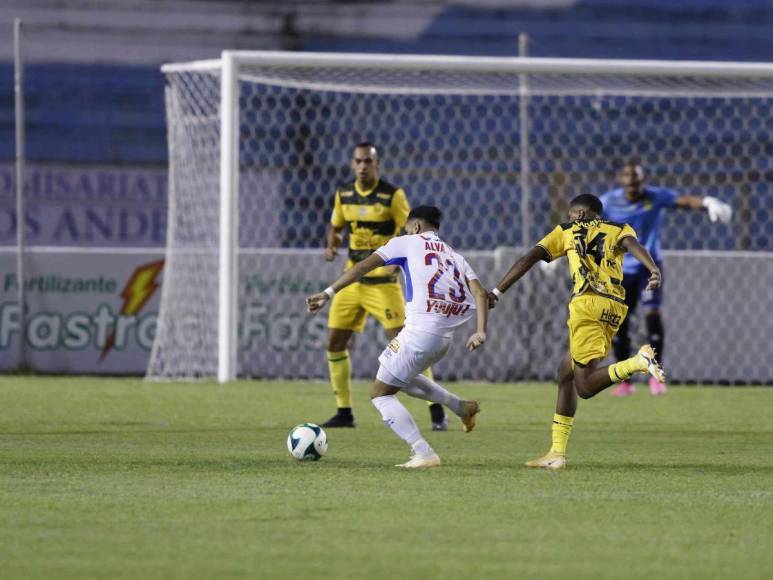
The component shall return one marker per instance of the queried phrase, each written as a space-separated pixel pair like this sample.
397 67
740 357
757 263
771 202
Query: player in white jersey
442 292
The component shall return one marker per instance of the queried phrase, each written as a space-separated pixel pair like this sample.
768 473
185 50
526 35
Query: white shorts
408 354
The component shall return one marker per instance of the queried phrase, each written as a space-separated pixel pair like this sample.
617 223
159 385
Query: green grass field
116 478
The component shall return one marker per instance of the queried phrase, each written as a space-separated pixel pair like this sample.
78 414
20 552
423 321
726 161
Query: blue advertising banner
86 206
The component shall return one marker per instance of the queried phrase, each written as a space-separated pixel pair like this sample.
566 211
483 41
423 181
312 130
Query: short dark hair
631 162
427 213
366 145
588 201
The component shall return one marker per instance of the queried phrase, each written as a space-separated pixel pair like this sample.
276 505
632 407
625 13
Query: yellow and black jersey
594 253
374 217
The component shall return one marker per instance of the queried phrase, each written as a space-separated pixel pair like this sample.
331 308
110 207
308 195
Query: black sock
655 333
436 412
345 411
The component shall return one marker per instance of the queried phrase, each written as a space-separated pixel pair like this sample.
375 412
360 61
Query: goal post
228 274
261 138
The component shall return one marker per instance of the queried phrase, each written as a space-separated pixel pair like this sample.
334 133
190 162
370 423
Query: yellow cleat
469 410
550 460
650 364
421 462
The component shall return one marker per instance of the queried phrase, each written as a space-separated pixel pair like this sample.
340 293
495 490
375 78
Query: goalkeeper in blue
641 206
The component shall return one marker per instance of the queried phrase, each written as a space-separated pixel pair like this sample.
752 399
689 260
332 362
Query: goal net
500 145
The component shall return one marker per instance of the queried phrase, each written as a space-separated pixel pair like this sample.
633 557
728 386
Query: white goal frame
231 62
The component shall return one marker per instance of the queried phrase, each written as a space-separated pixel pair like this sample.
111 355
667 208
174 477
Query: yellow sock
340 377
624 369
562 428
428 373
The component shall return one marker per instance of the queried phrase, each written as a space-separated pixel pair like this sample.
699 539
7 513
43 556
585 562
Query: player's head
365 163
631 177
585 207
422 219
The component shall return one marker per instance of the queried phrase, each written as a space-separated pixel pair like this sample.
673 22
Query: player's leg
385 303
340 369
651 303
423 388
563 419
397 418
436 412
346 316
591 379
621 344
593 321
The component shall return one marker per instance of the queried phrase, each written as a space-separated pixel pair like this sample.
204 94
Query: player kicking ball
594 249
441 292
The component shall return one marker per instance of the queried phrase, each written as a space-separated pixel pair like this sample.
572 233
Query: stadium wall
94 311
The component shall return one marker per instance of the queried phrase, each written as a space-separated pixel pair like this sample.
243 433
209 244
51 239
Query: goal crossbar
517 65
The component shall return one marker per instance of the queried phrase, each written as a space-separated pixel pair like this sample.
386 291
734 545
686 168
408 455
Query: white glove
718 210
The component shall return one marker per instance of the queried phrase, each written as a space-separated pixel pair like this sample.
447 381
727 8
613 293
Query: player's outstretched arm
480 296
516 272
632 246
315 302
333 239
717 210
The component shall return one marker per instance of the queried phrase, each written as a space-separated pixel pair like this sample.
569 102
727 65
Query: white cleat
651 365
421 462
548 461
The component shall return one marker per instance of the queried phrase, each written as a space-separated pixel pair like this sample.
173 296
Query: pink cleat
624 389
656 387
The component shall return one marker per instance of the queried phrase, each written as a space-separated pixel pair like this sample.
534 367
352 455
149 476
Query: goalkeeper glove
718 210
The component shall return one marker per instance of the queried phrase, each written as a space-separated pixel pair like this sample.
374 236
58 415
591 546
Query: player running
641 206
442 293
374 211
595 250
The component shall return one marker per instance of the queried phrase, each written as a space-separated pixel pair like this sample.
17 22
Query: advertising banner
87 310
86 206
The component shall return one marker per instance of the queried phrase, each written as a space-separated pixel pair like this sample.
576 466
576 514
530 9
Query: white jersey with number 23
437 288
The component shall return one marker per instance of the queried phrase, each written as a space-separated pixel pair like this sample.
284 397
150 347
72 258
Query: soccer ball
307 441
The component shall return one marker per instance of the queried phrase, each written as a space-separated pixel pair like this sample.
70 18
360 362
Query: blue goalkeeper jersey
644 216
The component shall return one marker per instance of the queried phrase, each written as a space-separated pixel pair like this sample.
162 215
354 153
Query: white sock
423 388
397 417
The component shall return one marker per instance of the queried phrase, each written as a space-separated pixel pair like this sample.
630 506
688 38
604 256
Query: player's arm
517 271
334 234
631 245
400 210
333 238
717 210
316 301
480 296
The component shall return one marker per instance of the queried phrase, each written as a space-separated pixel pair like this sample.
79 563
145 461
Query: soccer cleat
624 389
421 461
469 410
656 387
339 420
550 460
440 425
650 364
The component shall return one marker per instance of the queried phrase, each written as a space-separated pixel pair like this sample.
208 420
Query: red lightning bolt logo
138 290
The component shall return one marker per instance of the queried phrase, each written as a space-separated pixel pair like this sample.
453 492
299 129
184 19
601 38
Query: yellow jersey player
594 249
374 211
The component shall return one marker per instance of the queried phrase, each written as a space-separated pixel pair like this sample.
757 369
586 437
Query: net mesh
454 139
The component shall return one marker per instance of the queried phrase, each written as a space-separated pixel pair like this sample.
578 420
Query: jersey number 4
441 269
